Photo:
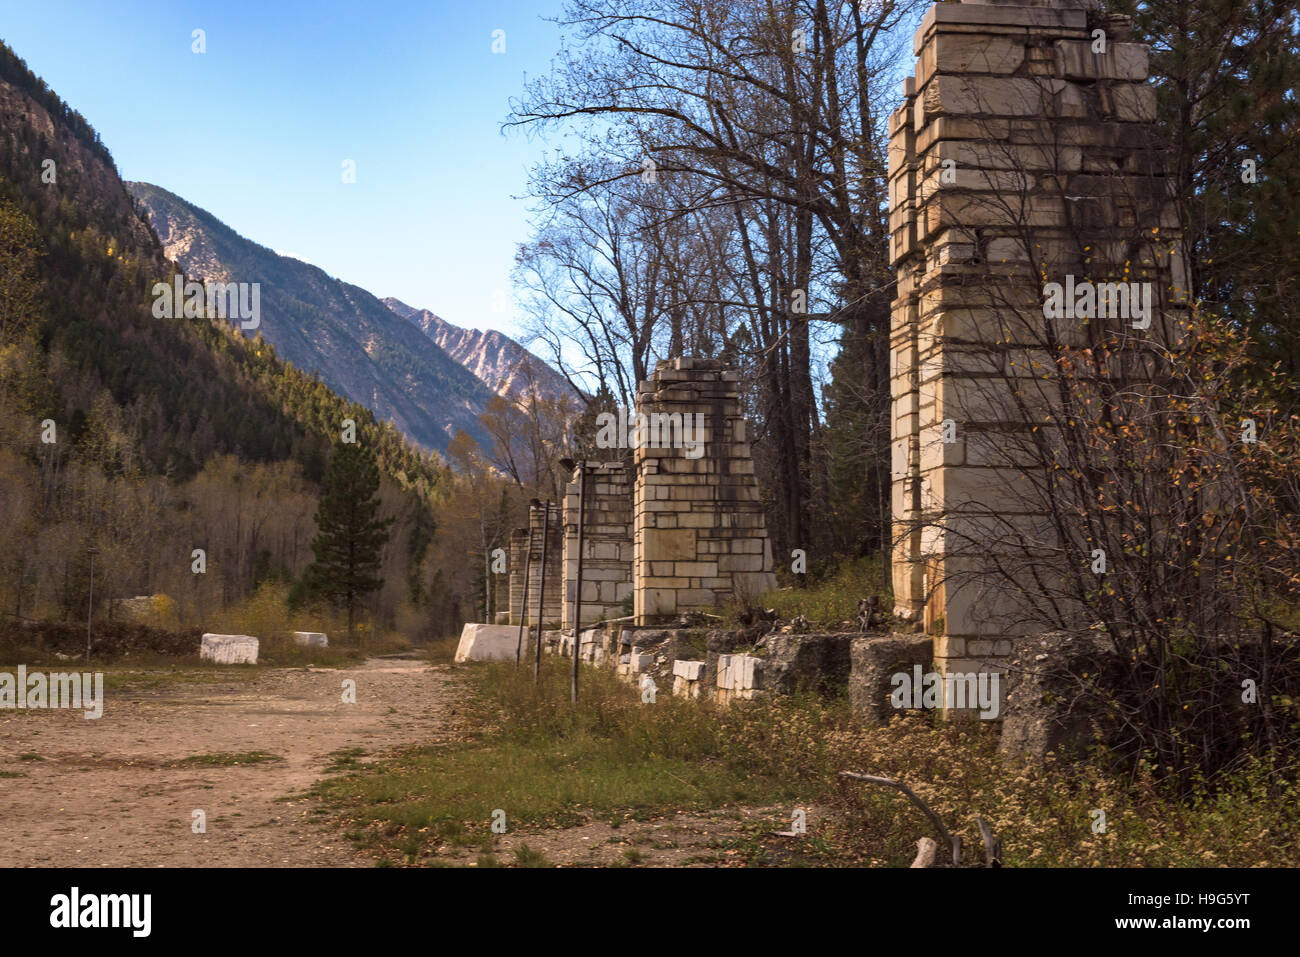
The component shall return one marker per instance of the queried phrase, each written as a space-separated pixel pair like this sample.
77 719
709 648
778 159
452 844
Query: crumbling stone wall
1024 154
606 542
700 534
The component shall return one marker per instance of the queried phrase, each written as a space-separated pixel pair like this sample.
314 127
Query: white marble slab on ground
229 649
487 642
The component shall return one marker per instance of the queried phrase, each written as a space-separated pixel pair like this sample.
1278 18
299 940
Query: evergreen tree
852 486
1226 73
350 536
20 283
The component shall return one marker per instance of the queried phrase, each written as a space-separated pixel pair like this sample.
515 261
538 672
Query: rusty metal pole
541 592
577 602
523 599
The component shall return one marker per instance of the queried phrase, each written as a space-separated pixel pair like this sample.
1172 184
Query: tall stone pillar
518 550
1024 157
701 537
551 604
606 542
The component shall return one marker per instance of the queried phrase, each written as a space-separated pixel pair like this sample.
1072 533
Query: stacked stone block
688 678
518 548
606 541
700 535
738 677
1022 155
551 604
551 607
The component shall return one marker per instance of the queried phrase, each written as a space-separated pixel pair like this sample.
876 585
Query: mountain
357 345
80 344
502 364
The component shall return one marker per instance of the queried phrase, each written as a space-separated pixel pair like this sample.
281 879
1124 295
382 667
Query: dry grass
552 765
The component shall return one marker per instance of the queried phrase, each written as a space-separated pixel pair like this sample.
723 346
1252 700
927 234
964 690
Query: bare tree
774 114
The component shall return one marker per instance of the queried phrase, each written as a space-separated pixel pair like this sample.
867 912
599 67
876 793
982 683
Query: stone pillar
518 546
607 541
551 606
1022 156
701 538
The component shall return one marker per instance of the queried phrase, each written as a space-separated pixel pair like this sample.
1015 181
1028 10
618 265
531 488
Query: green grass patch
831 598
229 758
547 764
525 856
345 760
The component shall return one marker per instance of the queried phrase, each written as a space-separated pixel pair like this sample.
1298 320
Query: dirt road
118 791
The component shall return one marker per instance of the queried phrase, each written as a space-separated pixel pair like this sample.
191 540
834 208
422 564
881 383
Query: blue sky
256 129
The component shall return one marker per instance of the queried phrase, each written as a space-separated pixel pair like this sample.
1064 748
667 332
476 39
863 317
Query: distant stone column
518 548
607 541
1024 157
701 537
551 604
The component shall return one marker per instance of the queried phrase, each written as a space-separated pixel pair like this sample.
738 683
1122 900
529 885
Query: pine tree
350 536
853 484
1226 72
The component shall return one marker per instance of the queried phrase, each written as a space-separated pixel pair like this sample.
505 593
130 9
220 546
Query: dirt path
112 792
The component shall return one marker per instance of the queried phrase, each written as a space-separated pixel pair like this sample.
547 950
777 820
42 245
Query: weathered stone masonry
700 533
518 546
1020 156
607 542
551 606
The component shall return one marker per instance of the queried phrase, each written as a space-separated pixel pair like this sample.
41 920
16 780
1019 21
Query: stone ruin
1024 154
678 530
675 529
514 612
700 534
524 607
607 563
1021 156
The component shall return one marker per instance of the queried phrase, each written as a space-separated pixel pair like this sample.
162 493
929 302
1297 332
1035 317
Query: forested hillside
144 437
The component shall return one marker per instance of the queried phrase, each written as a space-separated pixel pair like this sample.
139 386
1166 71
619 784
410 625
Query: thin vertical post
90 605
577 603
523 599
541 592
487 586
